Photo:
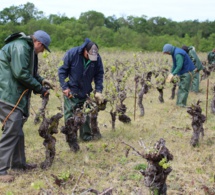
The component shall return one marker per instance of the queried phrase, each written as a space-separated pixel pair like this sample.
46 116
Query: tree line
125 33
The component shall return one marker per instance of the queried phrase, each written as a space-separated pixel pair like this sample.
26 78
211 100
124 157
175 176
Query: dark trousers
12 151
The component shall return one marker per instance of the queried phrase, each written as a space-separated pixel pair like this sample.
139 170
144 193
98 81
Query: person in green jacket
211 57
18 78
196 61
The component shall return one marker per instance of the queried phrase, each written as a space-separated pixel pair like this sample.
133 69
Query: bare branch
76 185
132 148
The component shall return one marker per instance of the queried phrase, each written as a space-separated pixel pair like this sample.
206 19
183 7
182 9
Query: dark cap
92 50
185 48
43 37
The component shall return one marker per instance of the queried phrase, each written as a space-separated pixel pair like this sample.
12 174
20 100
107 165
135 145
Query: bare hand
66 92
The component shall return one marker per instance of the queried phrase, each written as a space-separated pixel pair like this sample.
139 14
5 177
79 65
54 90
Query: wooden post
135 99
207 99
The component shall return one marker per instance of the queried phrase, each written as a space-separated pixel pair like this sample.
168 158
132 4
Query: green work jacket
195 58
18 72
211 57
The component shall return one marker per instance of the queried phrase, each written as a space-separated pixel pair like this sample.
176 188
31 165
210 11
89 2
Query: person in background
195 59
211 59
82 65
183 67
18 78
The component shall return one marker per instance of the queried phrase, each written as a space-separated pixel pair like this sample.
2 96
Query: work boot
97 136
28 167
6 178
87 138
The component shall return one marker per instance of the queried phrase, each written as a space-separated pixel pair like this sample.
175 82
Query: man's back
211 57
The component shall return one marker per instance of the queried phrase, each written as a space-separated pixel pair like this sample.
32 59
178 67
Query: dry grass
103 164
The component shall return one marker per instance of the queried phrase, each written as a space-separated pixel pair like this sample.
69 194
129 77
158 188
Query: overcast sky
175 10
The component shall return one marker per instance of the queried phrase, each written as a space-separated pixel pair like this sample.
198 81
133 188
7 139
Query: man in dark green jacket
211 58
195 59
18 78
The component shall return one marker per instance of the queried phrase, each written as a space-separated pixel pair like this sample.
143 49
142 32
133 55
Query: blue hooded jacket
80 78
188 65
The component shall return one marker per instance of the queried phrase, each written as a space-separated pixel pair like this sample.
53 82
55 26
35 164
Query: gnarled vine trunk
48 127
197 123
158 169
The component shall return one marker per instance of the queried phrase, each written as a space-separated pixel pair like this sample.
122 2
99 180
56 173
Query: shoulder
180 51
73 50
21 42
21 45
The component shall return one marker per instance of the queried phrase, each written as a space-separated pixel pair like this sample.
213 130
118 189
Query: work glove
44 92
99 97
47 82
169 78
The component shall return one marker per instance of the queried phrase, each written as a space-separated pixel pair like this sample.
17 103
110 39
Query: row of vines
130 77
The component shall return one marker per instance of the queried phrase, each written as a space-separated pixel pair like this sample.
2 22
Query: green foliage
104 145
92 19
199 170
136 177
67 79
60 63
212 179
90 146
123 160
20 14
164 164
64 176
175 79
9 193
140 167
113 69
45 54
126 33
37 185
154 192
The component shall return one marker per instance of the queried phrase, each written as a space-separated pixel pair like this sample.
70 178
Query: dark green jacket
211 57
195 58
18 72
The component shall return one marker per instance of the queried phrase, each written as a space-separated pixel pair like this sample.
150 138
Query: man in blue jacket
183 67
82 65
